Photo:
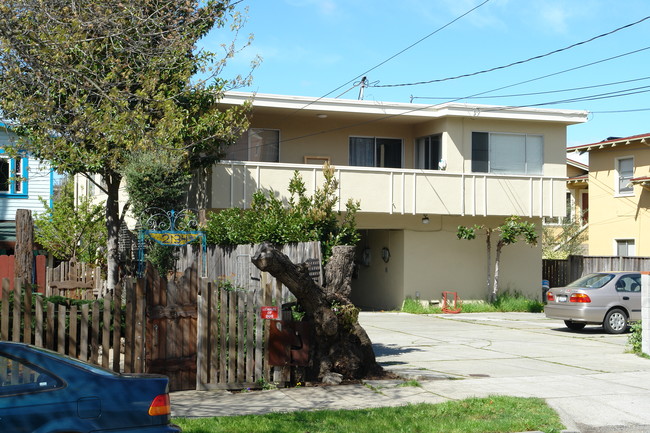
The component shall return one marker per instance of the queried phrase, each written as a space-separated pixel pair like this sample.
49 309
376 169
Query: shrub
634 338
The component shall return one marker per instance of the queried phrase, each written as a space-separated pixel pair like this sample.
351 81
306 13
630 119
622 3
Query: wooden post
24 247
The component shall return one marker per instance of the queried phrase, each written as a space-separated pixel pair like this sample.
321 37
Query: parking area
587 376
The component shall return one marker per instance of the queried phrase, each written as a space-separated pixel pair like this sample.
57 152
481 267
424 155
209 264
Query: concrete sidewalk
586 376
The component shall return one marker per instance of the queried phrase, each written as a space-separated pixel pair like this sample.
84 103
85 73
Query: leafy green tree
512 230
304 218
89 83
71 231
156 180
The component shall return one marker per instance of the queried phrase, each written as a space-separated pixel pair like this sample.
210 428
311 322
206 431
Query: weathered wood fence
106 332
75 280
201 332
561 272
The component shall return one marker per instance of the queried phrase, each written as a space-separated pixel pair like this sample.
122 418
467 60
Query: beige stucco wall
612 217
430 259
299 140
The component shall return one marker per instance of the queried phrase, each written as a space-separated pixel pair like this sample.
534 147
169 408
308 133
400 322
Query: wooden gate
171 327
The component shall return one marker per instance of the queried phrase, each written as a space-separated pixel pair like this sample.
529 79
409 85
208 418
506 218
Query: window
256 144
507 153
17 377
625 247
625 172
427 152
13 174
629 283
376 152
4 174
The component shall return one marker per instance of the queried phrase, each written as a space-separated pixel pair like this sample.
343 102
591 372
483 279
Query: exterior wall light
425 219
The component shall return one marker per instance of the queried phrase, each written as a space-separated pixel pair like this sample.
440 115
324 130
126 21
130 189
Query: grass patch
506 302
413 383
495 414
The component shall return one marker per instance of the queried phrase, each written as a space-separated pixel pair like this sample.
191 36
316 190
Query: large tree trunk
341 345
113 227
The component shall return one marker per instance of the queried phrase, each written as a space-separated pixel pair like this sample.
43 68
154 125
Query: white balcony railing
398 191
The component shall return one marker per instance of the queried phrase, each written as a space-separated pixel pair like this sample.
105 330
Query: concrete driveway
586 376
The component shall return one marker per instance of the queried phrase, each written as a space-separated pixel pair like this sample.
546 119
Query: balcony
398 191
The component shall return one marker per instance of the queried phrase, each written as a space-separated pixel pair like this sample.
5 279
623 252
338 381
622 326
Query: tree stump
341 345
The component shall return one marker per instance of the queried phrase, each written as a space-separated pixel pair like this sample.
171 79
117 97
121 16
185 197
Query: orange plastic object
456 304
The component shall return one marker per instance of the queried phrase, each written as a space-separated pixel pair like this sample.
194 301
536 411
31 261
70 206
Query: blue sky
323 47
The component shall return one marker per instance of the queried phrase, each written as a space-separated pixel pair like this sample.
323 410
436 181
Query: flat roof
325 106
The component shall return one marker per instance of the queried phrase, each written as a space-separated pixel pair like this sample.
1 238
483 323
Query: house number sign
170 228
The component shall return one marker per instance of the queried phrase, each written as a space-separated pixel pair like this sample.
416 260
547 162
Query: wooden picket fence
105 332
203 333
75 280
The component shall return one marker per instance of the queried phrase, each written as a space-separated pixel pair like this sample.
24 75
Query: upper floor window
625 172
427 152
256 144
376 152
13 174
507 153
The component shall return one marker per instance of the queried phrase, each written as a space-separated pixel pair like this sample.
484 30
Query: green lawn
479 415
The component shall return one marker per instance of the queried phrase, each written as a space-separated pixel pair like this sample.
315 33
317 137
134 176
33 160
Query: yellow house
619 196
567 234
419 172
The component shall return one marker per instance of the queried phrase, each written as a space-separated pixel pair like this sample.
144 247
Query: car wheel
615 321
574 326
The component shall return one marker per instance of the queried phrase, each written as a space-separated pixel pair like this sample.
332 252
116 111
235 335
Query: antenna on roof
363 84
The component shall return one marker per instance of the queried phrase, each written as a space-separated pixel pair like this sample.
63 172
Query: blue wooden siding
39 184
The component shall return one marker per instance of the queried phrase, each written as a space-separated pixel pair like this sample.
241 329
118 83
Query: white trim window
13 175
256 144
624 175
428 152
625 247
506 153
375 152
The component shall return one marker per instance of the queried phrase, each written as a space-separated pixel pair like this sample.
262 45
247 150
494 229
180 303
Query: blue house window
13 175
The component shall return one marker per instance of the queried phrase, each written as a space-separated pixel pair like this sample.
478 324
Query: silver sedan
610 299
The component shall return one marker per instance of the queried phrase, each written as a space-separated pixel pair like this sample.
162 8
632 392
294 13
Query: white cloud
554 15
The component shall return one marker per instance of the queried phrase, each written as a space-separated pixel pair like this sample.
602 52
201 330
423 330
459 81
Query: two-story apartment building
22 181
419 172
619 196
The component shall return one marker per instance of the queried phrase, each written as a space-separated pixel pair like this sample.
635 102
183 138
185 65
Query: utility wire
424 107
518 62
394 55
533 93
634 110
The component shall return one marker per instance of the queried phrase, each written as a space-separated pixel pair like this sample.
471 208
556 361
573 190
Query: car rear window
78 363
19 377
592 281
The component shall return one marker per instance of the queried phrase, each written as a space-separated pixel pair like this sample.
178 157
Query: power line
556 73
394 55
518 62
389 116
634 110
533 93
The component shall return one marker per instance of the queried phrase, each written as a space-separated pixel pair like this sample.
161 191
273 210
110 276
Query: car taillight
580 298
160 405
550 297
